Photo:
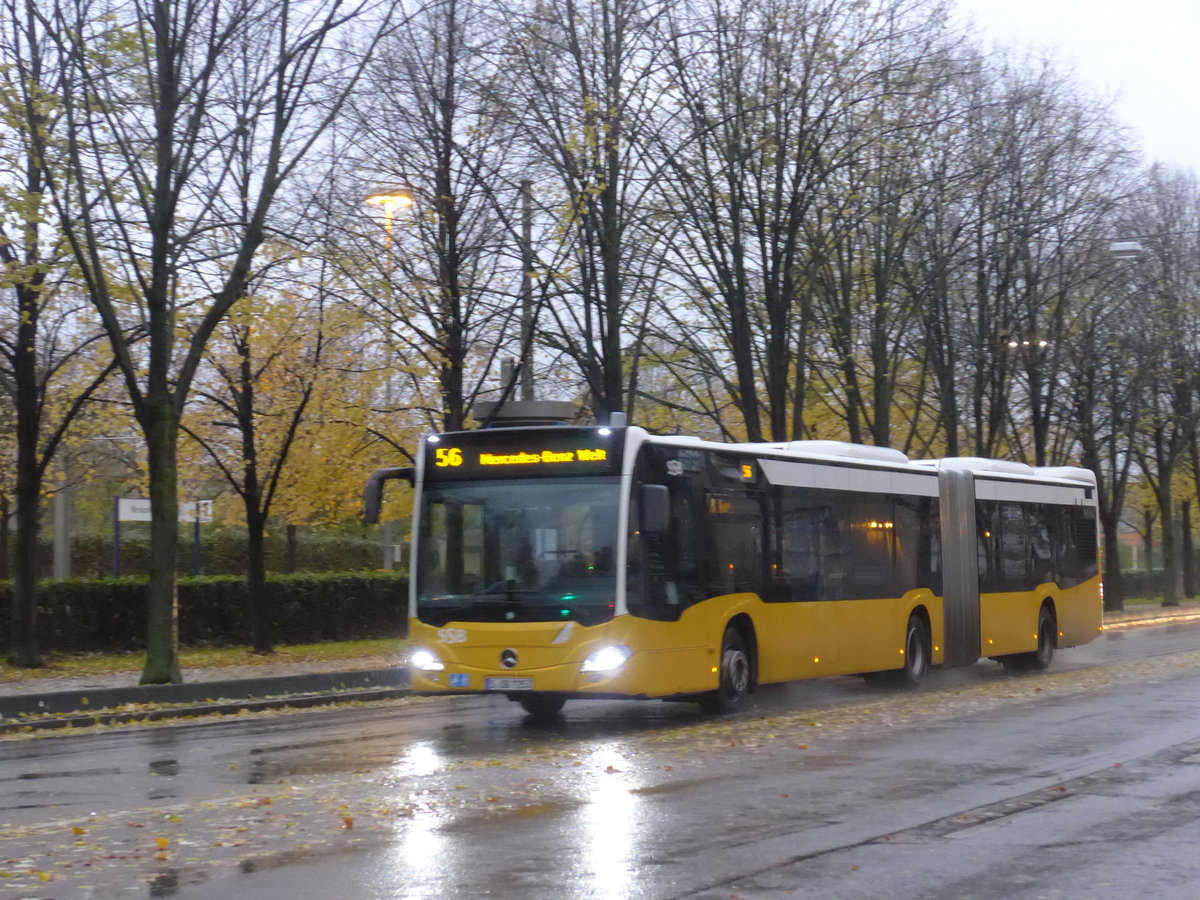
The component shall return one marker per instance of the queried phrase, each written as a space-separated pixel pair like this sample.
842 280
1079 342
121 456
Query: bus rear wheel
917 649
735 675
916 653
542 706
1036 660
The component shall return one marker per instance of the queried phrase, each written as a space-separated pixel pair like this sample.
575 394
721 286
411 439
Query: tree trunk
160 426
291 558
1172 572
5 522
1114 587
23 642
1188 551
1148 522
256 583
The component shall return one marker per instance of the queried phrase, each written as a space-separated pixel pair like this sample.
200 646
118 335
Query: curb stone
43 710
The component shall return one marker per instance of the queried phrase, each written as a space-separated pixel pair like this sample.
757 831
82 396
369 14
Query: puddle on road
77 773
538 810
168 768
674 787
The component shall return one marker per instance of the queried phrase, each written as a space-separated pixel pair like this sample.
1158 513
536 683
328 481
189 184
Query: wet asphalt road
1084 782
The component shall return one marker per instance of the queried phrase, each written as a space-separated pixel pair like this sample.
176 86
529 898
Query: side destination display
524 453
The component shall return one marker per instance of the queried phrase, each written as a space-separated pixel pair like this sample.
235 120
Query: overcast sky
1147 50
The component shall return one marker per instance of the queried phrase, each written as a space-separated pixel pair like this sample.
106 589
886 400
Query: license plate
508 684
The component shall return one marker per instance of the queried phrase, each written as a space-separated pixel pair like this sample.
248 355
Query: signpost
196 511
137 509
133 509
126 509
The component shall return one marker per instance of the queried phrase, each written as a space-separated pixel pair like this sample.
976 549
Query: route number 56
446 457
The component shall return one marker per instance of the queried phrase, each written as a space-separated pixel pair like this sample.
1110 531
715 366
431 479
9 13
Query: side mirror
373 493
655 505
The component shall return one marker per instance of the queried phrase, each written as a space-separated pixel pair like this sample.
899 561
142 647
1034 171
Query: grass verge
370 654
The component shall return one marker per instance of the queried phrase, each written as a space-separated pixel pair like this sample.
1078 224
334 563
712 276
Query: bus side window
736 557
987 526
799 546
833 541
1013 548
1079 543
780 579
911 555
873 540
1044 522
929 567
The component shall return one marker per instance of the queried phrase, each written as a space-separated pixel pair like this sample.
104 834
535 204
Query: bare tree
184 119
440 277
870 217
776 101
45 342
584 88
1106 390
1167 217
262 370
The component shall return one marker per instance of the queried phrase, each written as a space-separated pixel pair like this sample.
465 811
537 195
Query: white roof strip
1031 492
848 478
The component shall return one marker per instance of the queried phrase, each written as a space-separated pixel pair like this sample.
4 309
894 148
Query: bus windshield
525 550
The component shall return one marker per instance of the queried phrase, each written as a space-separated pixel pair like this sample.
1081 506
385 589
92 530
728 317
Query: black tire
917 650
916 653
1038 660
542 706
736 675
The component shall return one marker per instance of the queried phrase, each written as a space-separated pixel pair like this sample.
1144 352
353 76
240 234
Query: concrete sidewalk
1152 614
55 702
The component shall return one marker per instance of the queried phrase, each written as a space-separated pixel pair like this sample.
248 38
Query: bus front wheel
735 675
542 706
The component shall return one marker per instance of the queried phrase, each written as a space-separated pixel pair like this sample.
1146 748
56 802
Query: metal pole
387 533
62 531
196 541
526 289
116 537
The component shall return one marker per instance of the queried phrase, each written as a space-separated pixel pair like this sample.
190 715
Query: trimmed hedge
109 614
222 552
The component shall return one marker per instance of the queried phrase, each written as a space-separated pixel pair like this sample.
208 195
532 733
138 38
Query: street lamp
391 199
1125 249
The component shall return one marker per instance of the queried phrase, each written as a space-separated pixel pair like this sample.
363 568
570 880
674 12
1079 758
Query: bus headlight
425 661
606 659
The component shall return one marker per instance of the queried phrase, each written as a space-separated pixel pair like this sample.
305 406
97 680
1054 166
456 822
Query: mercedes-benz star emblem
508 659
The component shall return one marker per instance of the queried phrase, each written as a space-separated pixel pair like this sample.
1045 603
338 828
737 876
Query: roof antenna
618 420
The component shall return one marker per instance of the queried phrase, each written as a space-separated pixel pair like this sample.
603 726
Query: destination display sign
523 453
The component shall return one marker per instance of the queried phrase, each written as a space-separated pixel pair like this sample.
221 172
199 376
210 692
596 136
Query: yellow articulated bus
558 562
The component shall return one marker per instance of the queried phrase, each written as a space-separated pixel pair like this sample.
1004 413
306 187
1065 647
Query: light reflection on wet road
457 796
